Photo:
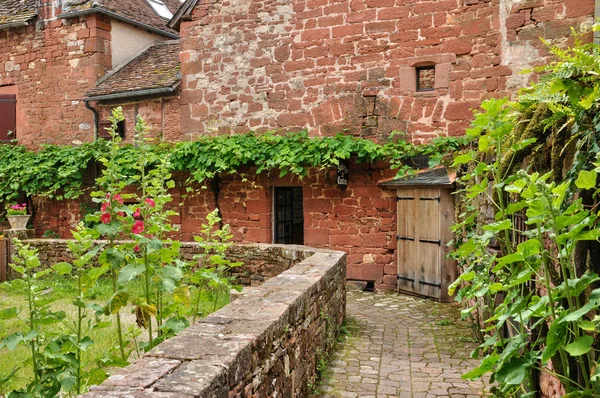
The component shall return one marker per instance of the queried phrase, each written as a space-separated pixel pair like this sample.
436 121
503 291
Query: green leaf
512 373
62 268
12 341
130 272
581 345
463 159
487 365
555 339
116 302
9 313
586 179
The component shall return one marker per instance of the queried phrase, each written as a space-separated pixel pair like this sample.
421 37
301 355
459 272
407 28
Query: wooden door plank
406 232
449 270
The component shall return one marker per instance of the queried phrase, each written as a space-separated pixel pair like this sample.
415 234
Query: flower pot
18 222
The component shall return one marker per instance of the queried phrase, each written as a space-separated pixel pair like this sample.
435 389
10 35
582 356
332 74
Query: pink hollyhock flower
137 213
119 199
136 248
104 206
150 202
138 227
105 218
121 214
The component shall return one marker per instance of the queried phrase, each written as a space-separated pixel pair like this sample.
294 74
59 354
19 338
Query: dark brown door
289 215
8 117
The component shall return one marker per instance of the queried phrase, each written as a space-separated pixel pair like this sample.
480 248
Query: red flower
119 199
105 218
137 213
121 214
104 206
136 248
138 227
150 202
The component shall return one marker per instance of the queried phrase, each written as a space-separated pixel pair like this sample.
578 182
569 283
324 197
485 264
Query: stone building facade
364 67
53 52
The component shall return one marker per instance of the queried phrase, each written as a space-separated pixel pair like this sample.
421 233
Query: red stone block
347 30
374 240
316 236
344 240
317 205
579 8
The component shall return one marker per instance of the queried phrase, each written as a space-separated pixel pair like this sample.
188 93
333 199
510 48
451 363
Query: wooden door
423 231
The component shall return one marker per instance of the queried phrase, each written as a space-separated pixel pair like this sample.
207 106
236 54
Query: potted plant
17 216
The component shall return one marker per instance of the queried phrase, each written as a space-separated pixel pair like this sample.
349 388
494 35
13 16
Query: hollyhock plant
105 218
138 227
150 201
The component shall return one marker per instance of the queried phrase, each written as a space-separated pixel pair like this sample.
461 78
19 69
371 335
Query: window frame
418 70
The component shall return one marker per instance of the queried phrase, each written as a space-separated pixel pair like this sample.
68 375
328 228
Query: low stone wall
261 261
264 344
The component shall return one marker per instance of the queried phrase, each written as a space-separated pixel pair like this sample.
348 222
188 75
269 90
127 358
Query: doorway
288 216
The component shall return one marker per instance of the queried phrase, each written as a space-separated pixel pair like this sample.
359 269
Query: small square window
426 78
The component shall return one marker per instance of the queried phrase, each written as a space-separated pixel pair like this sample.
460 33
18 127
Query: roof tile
137 10
157 67
15 11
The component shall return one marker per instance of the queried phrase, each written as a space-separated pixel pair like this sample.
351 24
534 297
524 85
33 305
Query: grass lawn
62 290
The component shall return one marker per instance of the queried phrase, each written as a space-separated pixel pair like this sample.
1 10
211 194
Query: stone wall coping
233 345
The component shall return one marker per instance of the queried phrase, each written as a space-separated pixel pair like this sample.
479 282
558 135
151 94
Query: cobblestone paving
402 347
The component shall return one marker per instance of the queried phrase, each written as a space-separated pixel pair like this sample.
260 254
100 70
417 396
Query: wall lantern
342 176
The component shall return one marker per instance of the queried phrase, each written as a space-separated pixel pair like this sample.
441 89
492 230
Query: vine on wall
59 172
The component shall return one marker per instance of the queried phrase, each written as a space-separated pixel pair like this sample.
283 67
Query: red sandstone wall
161 115
52 67
360 220
325 65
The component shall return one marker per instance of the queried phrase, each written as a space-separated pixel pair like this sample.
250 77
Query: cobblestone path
402 346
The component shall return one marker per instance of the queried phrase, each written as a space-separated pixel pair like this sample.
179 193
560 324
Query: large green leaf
581 345
555 339
586 179
513 372
9 313
130 272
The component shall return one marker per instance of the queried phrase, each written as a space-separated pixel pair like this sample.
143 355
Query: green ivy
59 172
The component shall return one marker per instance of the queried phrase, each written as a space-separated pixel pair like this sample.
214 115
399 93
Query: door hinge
404 198
404 278
435 242
436 199
398 237
430 284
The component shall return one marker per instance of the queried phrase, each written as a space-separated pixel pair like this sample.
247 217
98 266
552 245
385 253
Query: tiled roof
155 68
16 11
428 177
137 10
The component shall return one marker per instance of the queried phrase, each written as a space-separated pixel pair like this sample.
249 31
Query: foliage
51 358
212 273
539 287
144 266
59 172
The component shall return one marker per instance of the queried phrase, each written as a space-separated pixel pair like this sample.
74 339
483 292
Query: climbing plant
60 172
528 232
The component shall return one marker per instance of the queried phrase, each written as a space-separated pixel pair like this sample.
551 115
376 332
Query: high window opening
426 78
161 9
105 125
288 215
8 117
